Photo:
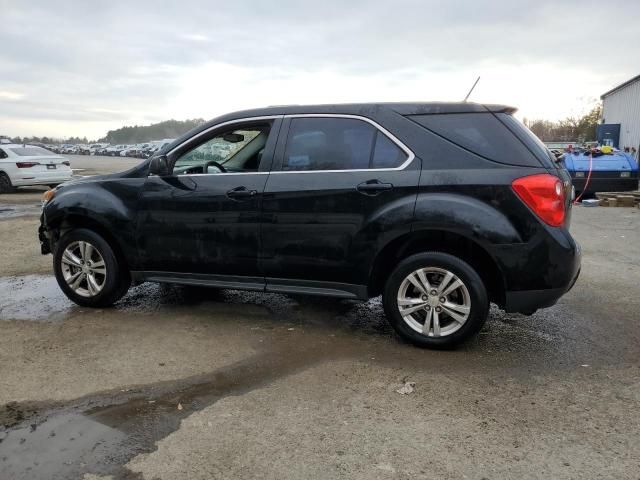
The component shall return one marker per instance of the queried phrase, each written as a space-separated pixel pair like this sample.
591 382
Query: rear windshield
480 133
30 151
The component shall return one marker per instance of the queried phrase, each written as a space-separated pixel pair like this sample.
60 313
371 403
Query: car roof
403 108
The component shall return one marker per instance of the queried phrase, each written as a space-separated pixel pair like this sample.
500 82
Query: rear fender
465 216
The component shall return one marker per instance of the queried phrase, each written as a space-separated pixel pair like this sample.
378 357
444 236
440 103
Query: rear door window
386 154
330 143
480 133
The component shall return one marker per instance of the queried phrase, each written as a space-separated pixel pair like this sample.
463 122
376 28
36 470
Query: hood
613 162
140 170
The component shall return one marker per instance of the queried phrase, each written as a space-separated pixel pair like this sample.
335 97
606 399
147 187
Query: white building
621 105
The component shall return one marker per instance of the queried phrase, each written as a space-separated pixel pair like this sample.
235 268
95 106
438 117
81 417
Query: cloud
81 68
11 95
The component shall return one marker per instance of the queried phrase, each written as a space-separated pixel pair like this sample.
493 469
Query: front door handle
240 193
373 187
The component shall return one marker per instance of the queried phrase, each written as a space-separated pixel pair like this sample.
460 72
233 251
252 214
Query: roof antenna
474 86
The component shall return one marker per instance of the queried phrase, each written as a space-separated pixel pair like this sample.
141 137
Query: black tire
5 183
117 278
479 307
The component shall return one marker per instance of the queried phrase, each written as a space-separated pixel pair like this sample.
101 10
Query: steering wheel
215 164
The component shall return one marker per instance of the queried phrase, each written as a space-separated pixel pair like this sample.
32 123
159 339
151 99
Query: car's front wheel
435 300
88 271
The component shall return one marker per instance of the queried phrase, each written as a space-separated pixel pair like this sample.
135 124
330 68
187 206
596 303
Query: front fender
111 205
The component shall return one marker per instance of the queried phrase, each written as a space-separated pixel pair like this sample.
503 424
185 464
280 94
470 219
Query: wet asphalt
183 382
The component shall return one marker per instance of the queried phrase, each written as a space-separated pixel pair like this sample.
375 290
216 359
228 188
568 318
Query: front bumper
43 236
606 184
528 301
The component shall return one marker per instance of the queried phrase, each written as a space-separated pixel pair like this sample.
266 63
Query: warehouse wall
623 107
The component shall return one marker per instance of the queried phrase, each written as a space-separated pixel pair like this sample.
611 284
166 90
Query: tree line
146 133
47 140
571 129
125 135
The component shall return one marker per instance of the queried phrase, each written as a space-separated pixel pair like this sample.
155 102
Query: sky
81 68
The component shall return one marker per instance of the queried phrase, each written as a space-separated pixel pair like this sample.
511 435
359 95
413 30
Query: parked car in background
440 208
94 148
158 146
24 165
601 170
114 150
103 150
131 151
68 149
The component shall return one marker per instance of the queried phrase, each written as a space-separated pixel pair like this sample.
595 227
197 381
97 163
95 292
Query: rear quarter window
480 133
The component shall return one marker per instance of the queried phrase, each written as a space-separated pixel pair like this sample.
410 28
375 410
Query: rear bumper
528 301
606 184
41 179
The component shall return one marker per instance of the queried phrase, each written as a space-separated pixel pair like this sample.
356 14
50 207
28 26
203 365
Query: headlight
48 195
579 174
625 174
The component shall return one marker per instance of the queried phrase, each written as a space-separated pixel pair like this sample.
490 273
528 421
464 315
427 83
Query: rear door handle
373 187
240 193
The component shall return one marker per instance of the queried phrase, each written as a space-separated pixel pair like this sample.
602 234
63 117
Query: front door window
233 151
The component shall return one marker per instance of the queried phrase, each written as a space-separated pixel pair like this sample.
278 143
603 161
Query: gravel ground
192 383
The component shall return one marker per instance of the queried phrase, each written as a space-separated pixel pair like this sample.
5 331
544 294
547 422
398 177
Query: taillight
26 164
544 195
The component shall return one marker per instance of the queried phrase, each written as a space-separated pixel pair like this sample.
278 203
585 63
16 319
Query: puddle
100 434
61 447
39 298
32 297
14 211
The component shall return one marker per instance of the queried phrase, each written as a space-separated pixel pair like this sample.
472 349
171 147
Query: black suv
440 208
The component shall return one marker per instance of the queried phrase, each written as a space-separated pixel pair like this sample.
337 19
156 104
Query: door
339 187
204 218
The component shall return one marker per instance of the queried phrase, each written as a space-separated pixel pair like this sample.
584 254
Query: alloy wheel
83 268
434 302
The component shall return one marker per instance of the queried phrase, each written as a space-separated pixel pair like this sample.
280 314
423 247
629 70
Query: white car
22 165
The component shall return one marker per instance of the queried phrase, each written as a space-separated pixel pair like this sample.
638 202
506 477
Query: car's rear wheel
88 271
435 300
5 183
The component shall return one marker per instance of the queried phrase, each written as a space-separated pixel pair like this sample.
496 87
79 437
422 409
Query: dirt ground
189 383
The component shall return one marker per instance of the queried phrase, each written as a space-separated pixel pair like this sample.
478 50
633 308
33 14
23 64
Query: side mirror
159 166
